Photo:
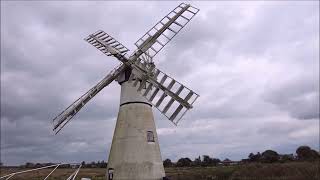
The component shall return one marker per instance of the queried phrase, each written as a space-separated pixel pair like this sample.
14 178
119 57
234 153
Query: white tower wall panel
132 155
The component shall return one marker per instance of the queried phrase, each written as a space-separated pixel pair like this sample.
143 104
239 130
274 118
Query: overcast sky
255 65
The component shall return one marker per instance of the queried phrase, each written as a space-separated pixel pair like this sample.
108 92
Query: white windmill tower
135 152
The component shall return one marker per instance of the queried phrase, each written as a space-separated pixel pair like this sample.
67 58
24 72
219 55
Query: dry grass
195 173
93 173
277 171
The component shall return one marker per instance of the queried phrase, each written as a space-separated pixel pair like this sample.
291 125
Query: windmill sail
106 43
168 27
169 96
65 116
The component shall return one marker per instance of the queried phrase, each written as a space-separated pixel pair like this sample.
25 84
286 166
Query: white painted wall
131 156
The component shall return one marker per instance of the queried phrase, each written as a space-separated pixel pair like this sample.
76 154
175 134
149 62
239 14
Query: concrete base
135 152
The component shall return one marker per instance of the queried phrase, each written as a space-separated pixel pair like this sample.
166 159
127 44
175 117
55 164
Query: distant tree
269 156
93 164
38 165
83 163
243 161
306 153
215 161
184 162
286 157
251 155
65 166
206 160
29 165
315 154
167 163
103 164
254 157
258 156
48 164
197 162
1 164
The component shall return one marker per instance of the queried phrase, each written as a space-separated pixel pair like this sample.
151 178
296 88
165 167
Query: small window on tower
150 137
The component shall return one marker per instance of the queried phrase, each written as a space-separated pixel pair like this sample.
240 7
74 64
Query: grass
276 171
192 173
279 171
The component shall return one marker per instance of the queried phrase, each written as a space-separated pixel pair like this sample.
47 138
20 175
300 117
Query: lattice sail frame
106 43
160 95
160 35
183 12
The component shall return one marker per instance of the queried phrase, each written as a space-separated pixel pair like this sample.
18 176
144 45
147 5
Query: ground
276 171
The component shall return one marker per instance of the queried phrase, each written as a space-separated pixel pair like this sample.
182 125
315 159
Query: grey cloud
300 97
253 136
36 142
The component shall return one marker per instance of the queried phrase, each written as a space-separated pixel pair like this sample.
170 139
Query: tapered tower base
135 152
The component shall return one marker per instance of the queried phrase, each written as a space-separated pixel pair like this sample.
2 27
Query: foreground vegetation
254 171
268 165
251 171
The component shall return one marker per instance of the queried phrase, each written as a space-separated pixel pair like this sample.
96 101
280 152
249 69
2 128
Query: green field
253 171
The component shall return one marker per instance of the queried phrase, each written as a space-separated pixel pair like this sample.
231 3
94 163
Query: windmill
135 152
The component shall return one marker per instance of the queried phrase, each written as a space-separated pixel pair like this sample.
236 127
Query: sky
254 64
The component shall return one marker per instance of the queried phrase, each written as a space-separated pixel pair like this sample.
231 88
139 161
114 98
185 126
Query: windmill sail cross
169 96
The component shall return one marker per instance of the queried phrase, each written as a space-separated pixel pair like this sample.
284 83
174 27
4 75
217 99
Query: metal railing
71 177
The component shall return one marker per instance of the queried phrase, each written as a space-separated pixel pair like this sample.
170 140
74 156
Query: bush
167 163
184 162
306 153
269 156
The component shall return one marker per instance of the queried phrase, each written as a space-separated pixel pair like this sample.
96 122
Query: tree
93 164
167 163
65 166
269 156
206 160
254 157
38 165
102 164
286 157
184 162
197 162
251 156
29 165
306 153
215 161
